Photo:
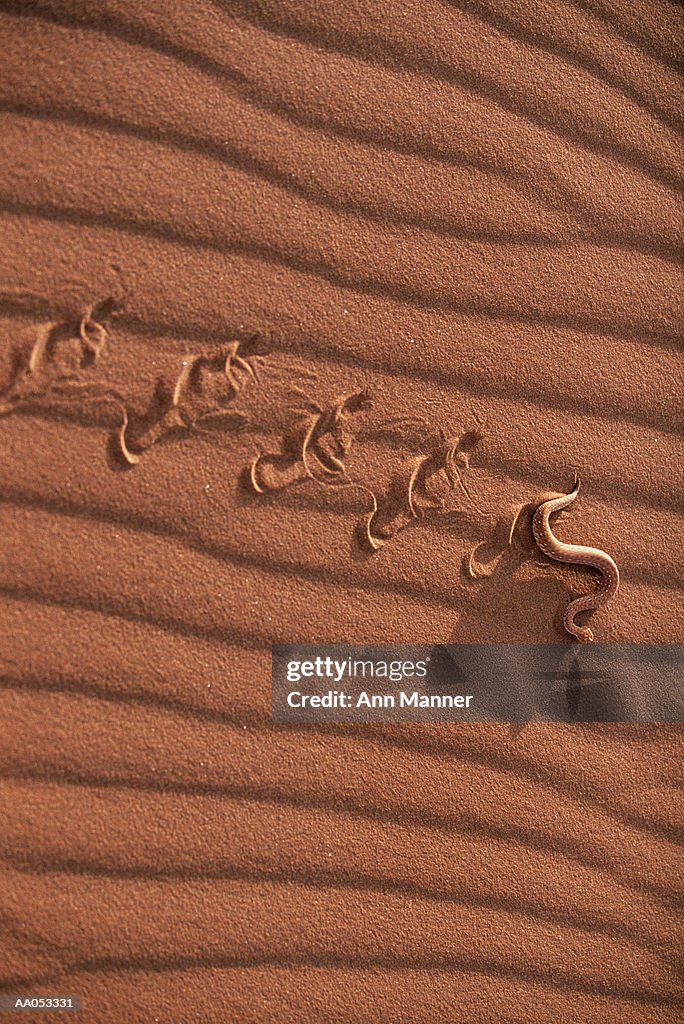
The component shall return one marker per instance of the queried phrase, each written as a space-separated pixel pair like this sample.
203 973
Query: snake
577 555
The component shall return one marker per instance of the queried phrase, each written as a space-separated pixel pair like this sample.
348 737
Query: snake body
578 555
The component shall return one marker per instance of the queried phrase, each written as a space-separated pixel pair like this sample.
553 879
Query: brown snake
578 555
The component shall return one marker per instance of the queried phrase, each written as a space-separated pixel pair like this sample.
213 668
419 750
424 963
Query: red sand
470 212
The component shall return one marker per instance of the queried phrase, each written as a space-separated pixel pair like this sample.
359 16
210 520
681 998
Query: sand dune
469 213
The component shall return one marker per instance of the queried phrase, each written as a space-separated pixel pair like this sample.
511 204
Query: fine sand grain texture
300 300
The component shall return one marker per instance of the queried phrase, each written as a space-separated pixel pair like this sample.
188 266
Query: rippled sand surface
263 266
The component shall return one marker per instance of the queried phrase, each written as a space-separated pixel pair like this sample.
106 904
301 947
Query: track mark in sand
512 530
317 443
426 486
59 370
59 366
313 448
197 399
575 554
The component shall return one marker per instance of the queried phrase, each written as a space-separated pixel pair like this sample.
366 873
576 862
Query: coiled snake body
577 555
